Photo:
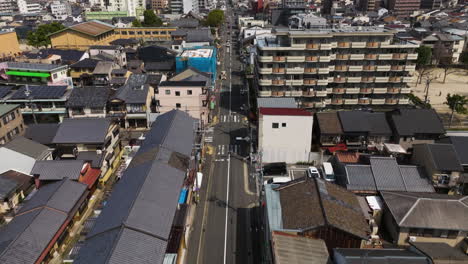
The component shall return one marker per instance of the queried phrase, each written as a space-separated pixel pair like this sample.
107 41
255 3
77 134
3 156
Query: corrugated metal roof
387 174
58 169
293 249
286 102
415 179
6 108
275 221
12 160
28 147
360 178
148 190
42 67
380 256
93 28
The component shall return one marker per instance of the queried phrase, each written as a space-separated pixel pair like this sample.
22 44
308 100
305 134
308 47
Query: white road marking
235 118
227 208
222 149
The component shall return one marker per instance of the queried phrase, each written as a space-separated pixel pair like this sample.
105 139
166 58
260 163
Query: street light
27 92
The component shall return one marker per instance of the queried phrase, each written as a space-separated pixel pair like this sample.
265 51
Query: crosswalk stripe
225 149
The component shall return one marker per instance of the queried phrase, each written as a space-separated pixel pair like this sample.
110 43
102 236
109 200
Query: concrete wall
404 236
290 144
9 45
192 104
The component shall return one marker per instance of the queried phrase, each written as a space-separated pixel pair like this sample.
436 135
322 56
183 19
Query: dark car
276 168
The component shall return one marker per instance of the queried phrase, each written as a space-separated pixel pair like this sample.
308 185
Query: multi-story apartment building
337 67
11 122
26 7
403 8
183 6
158 5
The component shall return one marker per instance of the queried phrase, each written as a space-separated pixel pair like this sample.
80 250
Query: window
452 234
16 131
178 105
96 110
283 124
275 125
177 93
168 92
189 92
54 75
21 126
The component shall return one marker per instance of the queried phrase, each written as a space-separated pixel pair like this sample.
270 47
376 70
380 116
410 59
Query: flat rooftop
198 53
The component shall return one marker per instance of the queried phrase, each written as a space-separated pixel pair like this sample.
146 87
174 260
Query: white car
313 172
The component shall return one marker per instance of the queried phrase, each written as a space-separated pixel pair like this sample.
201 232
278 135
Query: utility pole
429 79
27 92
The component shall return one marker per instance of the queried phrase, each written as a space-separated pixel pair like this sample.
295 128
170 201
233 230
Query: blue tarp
183 196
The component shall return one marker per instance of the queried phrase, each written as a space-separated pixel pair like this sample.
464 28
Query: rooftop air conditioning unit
412 239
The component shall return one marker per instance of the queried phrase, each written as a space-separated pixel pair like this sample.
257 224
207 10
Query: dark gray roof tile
82 130
88 97
411 122
28 148
57 169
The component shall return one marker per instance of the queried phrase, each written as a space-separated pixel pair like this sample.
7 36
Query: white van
329 175
277 180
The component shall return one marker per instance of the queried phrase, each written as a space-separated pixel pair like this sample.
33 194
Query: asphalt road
224 227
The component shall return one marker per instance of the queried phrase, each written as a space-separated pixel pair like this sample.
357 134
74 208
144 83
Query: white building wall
289 144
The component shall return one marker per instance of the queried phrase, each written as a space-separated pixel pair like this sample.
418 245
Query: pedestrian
440 93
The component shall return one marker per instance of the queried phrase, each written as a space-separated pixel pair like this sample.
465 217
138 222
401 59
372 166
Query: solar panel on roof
4 91
41 92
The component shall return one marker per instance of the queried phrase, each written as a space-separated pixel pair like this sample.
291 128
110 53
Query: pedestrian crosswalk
226 149
230 118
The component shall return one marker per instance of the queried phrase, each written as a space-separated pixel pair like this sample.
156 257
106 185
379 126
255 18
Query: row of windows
276 125
11 134
9 117
144 32
433 233
177 93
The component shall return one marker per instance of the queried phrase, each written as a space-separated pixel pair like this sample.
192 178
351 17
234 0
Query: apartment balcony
358 45
279 59
337 101
321 93
310 70
407 79
365 90
297 70
325 46
380 90
397 68
264 82
342 56
385 56
313 46
329 90
352 90
308 93
298 45
338 90
369 68
367 79
323 70
412 56
364 101
383 68
357 57
372 45
390 101
277 82
330 79
354 79
322 82
264 93
296 93
393 90
341 68
320 104
394 79
351 101
399 56
308 104
311 58
324 58
344 44
265 70
279 70
265 58
381 79
327 101
295 58
331 67
339 79
371 56
405 90
310 81
355 68
410 68
278 93
378 101
403 101
294 82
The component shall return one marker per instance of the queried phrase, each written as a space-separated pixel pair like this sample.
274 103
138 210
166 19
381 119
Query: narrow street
224 227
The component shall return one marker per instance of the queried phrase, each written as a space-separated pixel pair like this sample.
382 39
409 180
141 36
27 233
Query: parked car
276 168
313 172
277 180
328 173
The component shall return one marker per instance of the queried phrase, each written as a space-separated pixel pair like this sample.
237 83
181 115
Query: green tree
456 103
40 37
136 23
423 61
464 57
215 18
150 19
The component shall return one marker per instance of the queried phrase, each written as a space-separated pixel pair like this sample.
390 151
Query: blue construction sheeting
183 196
200 58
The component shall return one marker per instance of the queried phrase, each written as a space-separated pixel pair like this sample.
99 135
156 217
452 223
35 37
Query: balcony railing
385 56
369 68
321 93
365 90
308 93
265 70
372 45
354 79
403 101
370 56
342 56
378 101
339 79
324 58
308 104
313 46
297 70
356 57
323 70
277 82
355 68
351 101
337 101
390 101
338 90
327 101
381 79
341 68
310 81
311 58
393 90
279 59
400 56
310 70
265 58
298 45
325 46
264 93
358 44
294 82
379 90
367 79
344 44
278 70
322 82
395 79
264 82
383 68
412 56
407 79
405 90
352 90
278 93
364 101
295 58
410 68
397 67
